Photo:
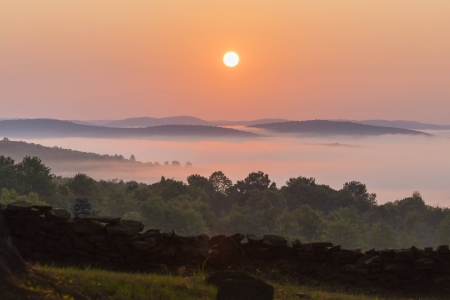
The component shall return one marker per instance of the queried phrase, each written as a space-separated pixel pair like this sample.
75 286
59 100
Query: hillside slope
326 128
18 150
47 128
405 124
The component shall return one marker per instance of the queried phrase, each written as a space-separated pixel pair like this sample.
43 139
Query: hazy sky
300 59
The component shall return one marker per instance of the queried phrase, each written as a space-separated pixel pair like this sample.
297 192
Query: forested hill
18 150
149 121
47 128
176 120
405 124
324 128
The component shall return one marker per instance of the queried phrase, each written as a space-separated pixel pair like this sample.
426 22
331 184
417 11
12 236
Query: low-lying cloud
391 166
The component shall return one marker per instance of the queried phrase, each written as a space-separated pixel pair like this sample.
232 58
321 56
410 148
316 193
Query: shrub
82 207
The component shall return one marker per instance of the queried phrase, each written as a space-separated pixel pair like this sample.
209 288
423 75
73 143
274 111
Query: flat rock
275 240
82 245
19 205
423 264
406 255
43 208
33 212
47 225
322 245
89 227
57 215
140 246
104 219
396 267
374 261
150 241
125 227
254 239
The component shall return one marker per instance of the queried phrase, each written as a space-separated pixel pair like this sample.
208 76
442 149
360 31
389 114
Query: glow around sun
230 59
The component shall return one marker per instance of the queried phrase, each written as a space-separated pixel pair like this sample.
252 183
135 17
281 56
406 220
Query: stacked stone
48 235
385 265
406 264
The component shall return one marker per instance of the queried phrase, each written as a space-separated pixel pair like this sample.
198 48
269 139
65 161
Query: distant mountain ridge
190 120
175 120
404 124
149 121
326 128
198 128
47 128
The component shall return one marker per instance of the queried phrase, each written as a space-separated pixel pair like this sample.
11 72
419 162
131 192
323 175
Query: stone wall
47 235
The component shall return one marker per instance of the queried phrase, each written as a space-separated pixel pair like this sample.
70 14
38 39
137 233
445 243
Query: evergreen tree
82 207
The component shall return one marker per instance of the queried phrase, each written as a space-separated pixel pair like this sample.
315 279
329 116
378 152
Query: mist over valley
393 166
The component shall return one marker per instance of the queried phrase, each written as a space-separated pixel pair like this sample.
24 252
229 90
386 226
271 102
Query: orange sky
300 59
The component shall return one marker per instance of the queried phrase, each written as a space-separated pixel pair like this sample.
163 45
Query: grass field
72 283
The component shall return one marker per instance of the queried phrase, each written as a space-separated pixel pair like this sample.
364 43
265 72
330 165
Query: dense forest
302 208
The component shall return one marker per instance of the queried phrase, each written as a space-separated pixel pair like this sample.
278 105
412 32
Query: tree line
302 208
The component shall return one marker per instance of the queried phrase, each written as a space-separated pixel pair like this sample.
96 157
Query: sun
230 59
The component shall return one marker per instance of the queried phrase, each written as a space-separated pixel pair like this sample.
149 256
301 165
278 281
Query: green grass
100 284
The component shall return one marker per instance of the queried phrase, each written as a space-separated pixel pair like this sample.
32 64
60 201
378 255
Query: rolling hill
176 120
327 128
48 128
18 150
404 124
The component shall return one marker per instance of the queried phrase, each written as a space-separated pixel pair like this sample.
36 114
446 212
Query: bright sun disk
231 59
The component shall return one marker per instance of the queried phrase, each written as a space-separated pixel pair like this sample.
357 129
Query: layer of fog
391 166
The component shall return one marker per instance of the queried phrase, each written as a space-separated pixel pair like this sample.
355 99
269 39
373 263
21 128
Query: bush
82 207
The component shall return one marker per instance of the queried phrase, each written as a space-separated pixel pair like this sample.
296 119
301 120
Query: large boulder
230 252
217 277
201 241
125 227
240 286
244 290
215 240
